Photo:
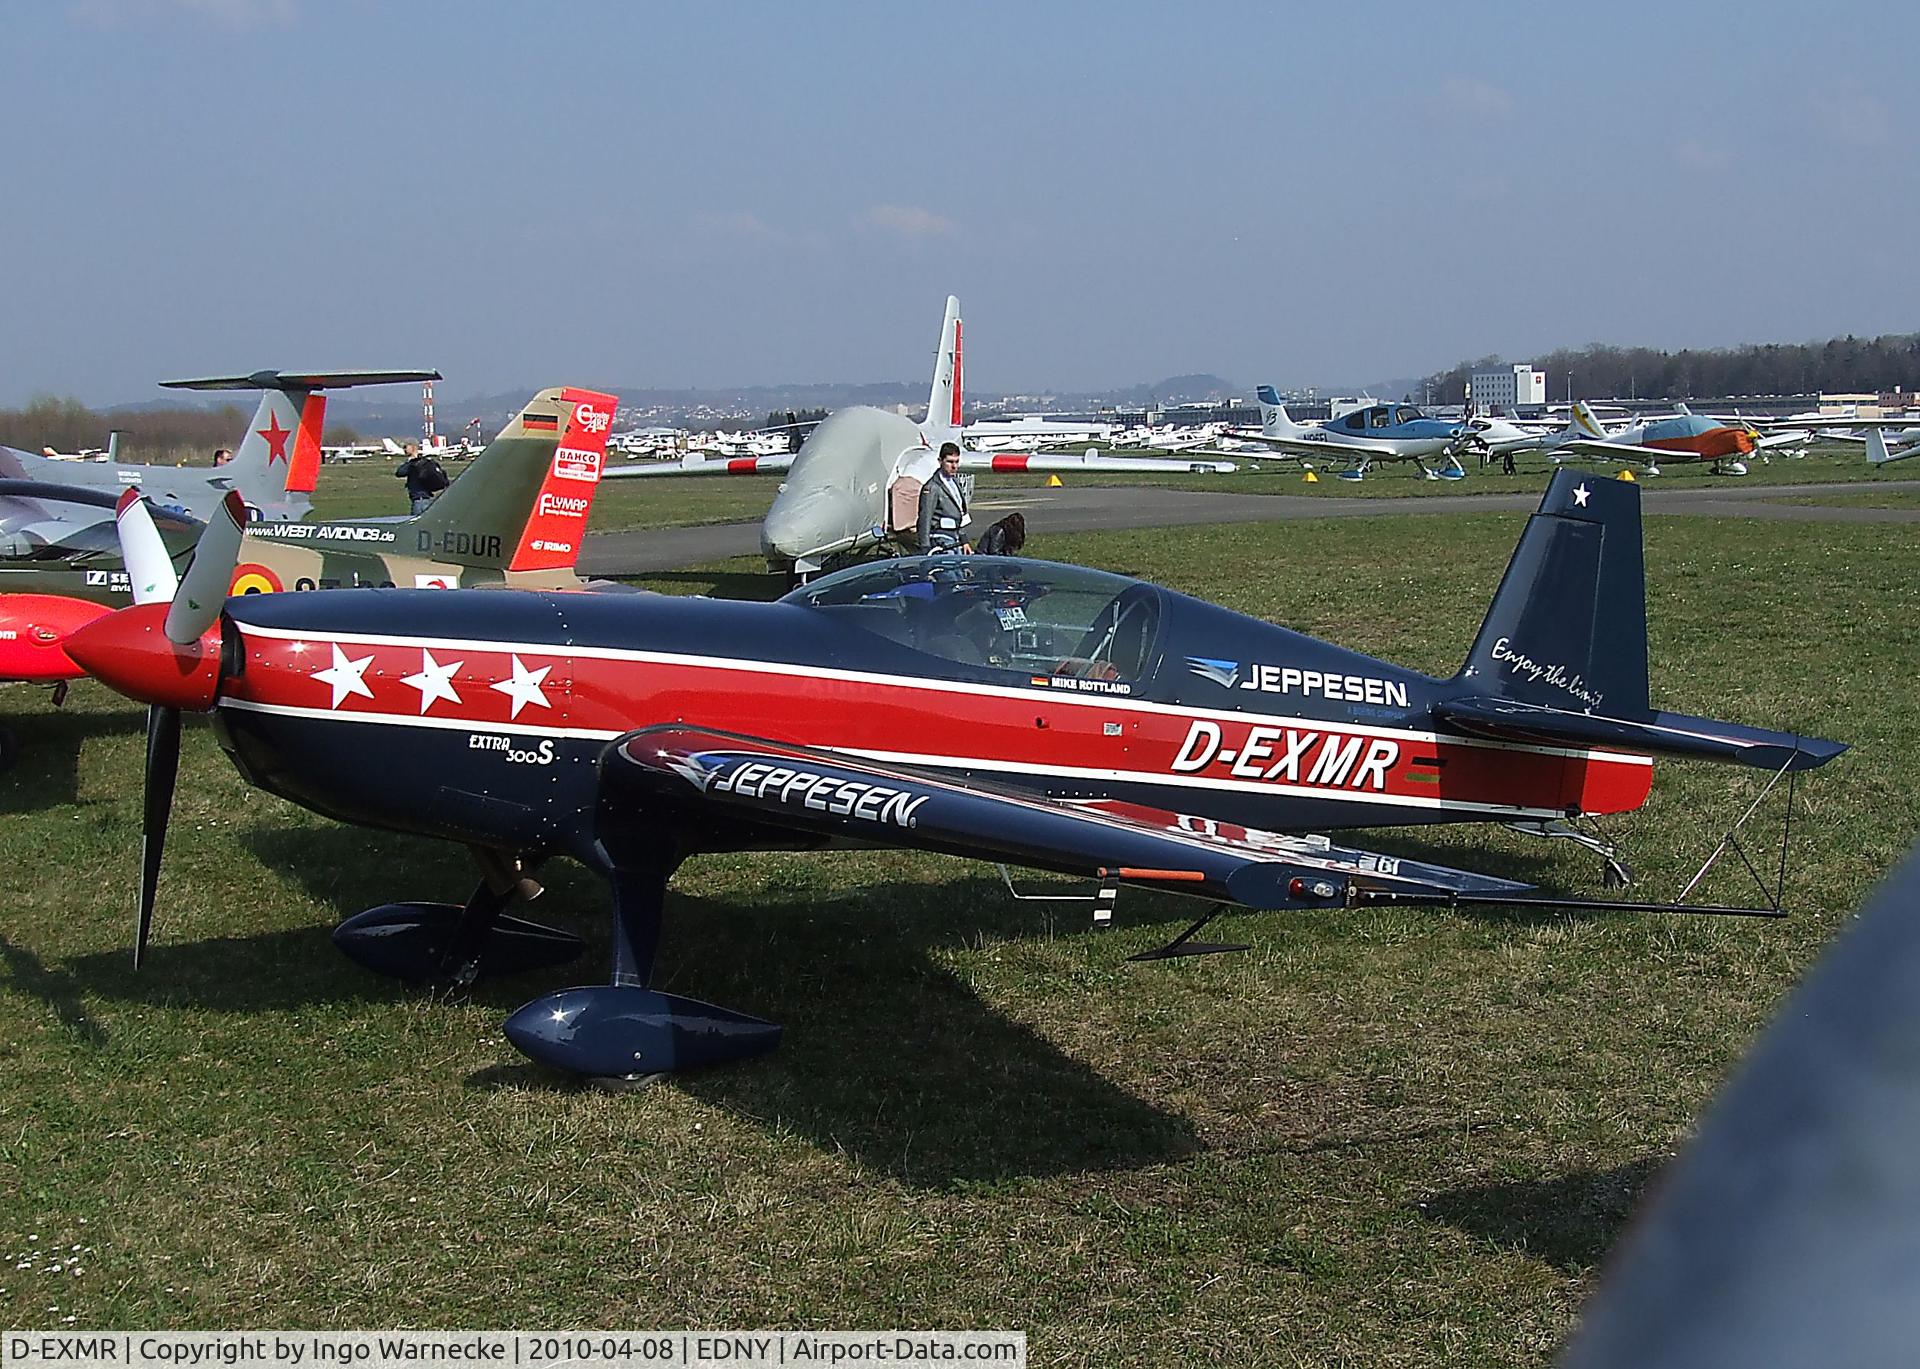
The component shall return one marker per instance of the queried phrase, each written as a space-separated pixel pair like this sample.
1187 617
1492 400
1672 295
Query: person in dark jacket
424 476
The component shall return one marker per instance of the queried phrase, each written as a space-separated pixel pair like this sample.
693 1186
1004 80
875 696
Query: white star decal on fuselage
344 676
524 687
434 681
1580 493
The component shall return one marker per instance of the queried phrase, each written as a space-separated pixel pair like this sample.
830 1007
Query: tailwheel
624 1035
1616 874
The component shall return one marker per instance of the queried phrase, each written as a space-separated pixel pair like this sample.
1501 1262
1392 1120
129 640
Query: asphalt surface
1102 508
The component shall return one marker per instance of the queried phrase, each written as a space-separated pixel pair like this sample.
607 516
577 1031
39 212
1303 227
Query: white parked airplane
855 482
1379 432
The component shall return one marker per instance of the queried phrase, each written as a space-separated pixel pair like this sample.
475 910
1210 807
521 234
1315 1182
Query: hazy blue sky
644 194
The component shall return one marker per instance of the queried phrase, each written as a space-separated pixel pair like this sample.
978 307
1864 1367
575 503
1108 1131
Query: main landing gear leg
447 944
624 1034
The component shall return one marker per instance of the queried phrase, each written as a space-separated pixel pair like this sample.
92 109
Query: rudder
523 504
1567 628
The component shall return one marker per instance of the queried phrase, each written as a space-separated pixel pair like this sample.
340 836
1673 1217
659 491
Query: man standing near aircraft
424 476
943 507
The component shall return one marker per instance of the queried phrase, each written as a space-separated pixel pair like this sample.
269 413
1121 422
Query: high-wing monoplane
855 483
1025 712
274 468
1378 432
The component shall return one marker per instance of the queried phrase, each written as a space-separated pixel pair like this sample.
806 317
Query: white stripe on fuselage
1107 702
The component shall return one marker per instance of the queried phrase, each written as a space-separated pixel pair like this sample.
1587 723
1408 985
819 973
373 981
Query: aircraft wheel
1617 875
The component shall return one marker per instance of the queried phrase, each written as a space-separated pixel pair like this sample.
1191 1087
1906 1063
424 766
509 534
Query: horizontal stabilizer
301 380
1665 734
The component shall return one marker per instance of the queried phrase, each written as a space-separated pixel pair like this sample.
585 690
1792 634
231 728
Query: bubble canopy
1008 613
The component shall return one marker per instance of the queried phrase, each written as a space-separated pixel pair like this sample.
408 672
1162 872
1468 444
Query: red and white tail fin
278 460
267 465
944 400
558 520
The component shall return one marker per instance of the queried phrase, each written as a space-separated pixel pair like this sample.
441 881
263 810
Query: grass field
369 488
1378 1138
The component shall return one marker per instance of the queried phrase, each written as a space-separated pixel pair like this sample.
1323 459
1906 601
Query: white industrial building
1511 388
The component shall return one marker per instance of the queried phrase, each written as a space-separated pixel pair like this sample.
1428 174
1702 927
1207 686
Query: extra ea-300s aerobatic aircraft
1378 432
855 483
516 516
1018 711
274 468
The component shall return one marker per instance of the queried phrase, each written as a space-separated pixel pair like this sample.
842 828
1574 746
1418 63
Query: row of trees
1842 365
151 435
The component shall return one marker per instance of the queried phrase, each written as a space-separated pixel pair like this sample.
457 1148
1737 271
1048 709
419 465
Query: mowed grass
368 488
1378 1138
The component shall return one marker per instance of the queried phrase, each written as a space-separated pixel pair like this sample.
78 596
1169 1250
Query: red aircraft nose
130 652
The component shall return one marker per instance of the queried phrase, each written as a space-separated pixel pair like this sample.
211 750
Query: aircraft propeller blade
209 575
142 552
163 764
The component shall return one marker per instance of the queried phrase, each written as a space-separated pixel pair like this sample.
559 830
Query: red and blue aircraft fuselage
493 722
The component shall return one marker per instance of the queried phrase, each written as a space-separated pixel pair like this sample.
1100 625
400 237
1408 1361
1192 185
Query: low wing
1088 461
1621 451
823 794
1301 446
700 465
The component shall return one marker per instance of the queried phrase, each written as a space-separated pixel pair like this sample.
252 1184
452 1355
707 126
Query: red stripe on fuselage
1015 729
1011 463
742 465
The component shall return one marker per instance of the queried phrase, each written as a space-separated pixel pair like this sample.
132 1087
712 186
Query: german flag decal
540 423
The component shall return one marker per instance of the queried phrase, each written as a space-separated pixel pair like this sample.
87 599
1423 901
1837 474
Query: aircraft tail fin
1274 421
945 399
1580 418
1878 453
523 503
1562 656
1568 625
278 459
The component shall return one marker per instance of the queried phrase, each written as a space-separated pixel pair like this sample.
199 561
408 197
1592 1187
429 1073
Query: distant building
1510 388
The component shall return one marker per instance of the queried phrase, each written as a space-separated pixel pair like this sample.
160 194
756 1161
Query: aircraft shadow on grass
46 774
888 1056
25 973
1570 1220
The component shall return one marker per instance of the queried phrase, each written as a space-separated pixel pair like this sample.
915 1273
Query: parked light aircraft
1683 436
1380 432
515 517
855 482
1006 710
274 468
